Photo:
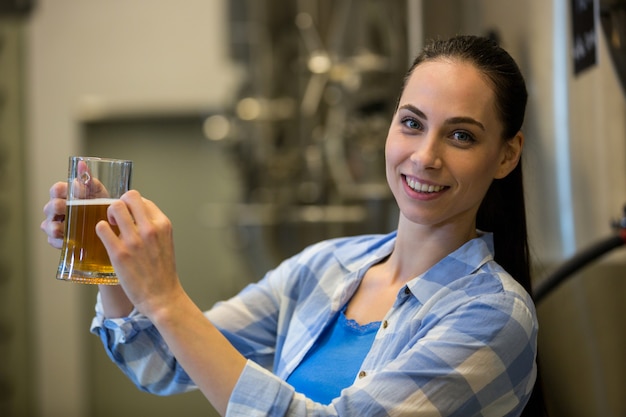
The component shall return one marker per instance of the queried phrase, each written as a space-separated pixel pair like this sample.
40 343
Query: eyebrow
452 120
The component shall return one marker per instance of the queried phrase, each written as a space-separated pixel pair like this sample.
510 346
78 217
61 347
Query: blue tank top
334 360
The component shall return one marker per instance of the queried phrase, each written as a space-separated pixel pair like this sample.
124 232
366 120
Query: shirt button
385 324
407 291
362 374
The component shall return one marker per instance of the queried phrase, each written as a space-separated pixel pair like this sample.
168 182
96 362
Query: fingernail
85 177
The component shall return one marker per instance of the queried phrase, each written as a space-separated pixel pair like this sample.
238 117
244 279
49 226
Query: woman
420 322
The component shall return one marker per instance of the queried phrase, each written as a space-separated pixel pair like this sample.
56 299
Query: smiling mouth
423 188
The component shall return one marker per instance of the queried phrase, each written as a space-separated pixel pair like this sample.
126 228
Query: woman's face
444 145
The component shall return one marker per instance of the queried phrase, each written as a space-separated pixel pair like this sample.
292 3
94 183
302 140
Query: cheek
477 177
388 163
393 152
388 154
391 161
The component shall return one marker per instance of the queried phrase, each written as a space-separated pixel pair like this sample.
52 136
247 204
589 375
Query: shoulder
470 283
491 299
348 250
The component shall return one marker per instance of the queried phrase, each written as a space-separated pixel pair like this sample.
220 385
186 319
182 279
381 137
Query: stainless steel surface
309 122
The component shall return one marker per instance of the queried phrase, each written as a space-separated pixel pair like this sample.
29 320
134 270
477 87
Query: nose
427 153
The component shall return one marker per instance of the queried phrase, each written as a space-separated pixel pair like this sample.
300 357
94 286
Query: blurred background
258 126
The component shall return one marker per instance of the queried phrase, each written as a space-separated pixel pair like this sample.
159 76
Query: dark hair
502 211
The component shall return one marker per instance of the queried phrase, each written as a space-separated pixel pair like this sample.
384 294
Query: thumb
85 185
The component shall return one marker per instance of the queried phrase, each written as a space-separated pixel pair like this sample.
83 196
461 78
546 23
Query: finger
55 243
107 235
157 217
152 212
55 231
54 223
85 185
151 208
118 214
148 217
55 209
59 190
79 184
137 207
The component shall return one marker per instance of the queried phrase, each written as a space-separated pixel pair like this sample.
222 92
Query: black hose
578 261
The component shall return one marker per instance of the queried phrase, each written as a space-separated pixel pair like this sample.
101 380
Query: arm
115 303
186 330
143 256
209 359
145 249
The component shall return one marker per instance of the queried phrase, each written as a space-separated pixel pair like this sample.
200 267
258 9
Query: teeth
423 188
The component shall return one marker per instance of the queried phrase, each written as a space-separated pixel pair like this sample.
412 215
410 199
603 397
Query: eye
463 138
411 123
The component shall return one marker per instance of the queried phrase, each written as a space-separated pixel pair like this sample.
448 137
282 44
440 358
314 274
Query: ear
511 154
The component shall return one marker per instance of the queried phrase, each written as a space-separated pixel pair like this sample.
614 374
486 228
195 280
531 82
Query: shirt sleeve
134 344
136 347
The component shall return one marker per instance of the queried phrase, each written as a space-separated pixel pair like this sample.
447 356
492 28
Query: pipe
577 262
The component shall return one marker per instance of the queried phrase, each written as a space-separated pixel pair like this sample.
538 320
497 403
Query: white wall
119 56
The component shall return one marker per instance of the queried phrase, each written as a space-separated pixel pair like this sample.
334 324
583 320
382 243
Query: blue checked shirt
460 339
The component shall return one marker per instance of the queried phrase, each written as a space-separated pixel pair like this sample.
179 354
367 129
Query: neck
418 247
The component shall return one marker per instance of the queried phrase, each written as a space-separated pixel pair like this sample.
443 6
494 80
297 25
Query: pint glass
93 183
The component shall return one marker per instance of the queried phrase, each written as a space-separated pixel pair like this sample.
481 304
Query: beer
83 257
93 183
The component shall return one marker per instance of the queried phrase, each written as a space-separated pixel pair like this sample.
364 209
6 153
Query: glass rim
101 159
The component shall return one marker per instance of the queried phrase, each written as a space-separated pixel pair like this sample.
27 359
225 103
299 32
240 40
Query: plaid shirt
460 339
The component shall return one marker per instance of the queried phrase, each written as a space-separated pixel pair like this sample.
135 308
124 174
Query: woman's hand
143 252
54 223
55 209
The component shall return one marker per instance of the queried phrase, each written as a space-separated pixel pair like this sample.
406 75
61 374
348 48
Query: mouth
420 187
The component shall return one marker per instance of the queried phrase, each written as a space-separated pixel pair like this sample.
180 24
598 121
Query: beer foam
91 202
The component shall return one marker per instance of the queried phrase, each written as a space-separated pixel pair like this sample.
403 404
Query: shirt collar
464 261
365 250
467 259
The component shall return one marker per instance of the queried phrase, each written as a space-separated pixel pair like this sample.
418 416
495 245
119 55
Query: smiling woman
447 137
444 325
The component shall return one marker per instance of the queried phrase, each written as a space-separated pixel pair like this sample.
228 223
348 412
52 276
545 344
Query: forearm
206 355
115 303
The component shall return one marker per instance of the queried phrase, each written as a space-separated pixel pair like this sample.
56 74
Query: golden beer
83 256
